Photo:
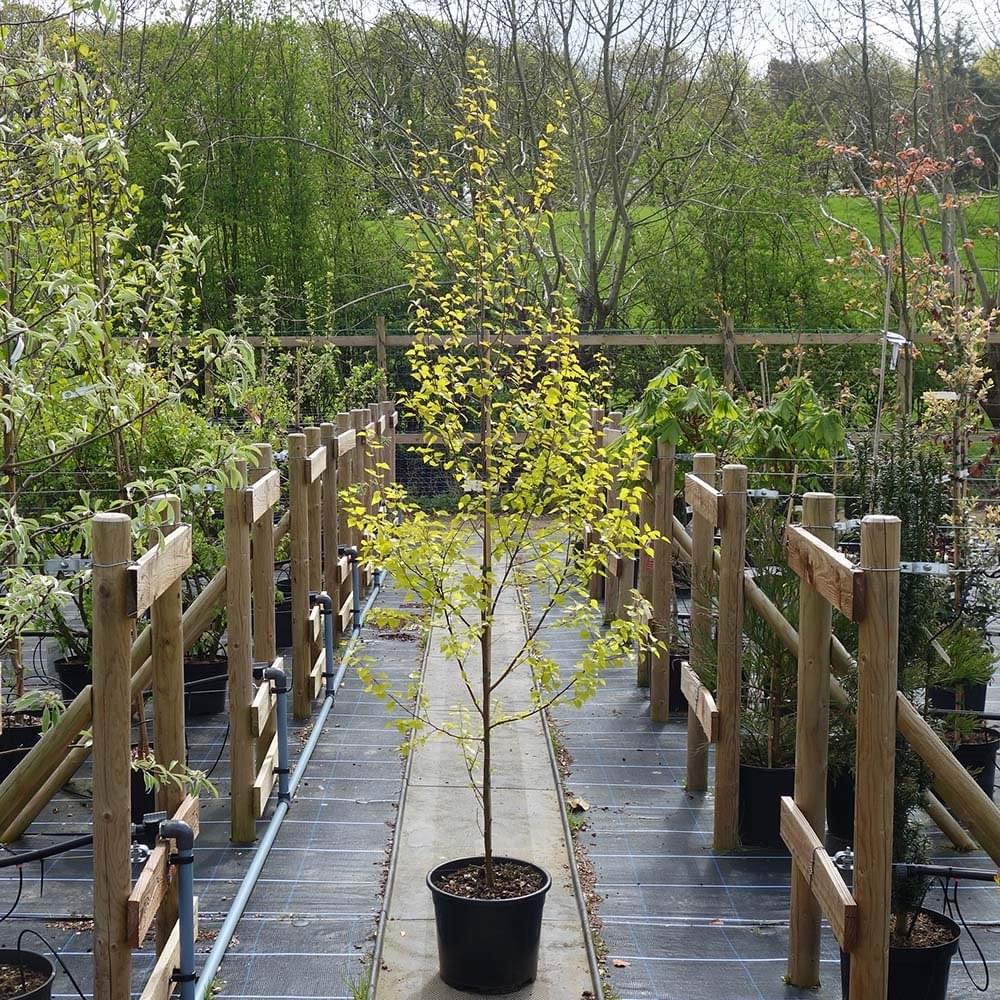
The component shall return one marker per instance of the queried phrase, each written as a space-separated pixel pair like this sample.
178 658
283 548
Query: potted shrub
24 721
769 686
532 480
922 942
958 678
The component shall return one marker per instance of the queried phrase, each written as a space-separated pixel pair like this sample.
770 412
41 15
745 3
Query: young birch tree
505 406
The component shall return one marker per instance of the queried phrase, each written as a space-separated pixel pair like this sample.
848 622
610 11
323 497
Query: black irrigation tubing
40 854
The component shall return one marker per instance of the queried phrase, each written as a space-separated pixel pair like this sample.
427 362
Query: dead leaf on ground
577 804
620 963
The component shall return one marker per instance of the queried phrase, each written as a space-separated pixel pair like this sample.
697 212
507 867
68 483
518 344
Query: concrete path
440 820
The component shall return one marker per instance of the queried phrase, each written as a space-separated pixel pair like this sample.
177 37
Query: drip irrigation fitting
203 986
281 689
351 551
325 602
844 860
183 836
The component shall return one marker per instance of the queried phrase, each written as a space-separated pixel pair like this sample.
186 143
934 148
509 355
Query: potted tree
25 975
492 357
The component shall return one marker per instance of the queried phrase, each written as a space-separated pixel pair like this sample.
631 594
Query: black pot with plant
24 721
907 479
769 686
25 975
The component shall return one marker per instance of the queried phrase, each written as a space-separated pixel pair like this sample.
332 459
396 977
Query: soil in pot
74 675
761 789
919 969
488 945
978 755
21 731
944 698
283 615
205 685
25 975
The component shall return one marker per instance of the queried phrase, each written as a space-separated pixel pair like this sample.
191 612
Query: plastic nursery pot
980 760
840 806
283 615
914 973
761 789
205 685
34 962
487 945
74 675
944 698
21 731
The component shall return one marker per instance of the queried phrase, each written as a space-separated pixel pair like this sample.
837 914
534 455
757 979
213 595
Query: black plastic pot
36 963
980 760
944 698
840 806
675 700
914 973
487 945
761 789
283 615
17 739
205 685
74 675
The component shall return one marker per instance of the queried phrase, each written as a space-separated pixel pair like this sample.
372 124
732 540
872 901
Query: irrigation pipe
215 957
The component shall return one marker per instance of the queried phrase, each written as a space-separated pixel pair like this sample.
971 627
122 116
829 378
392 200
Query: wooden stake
702 546
732 558
358 420
878 642
345 473
812 731
380 357
262 570
313 441
663 584
298 506
112 649
239 649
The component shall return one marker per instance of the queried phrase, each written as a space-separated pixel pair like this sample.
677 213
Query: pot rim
479 858
984 743
10 956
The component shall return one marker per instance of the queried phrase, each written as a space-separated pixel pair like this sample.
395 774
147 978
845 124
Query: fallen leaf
717 922
577 804
620 963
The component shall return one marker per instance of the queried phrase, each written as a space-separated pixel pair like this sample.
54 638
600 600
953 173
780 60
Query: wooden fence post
345 470
878 650
166 623
381 358
812 731
732 557
298 506
663 584
358 420
728 353
702 546
239 650
262 559
112 715
314 439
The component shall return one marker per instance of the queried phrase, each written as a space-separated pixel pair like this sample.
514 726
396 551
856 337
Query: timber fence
351 453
